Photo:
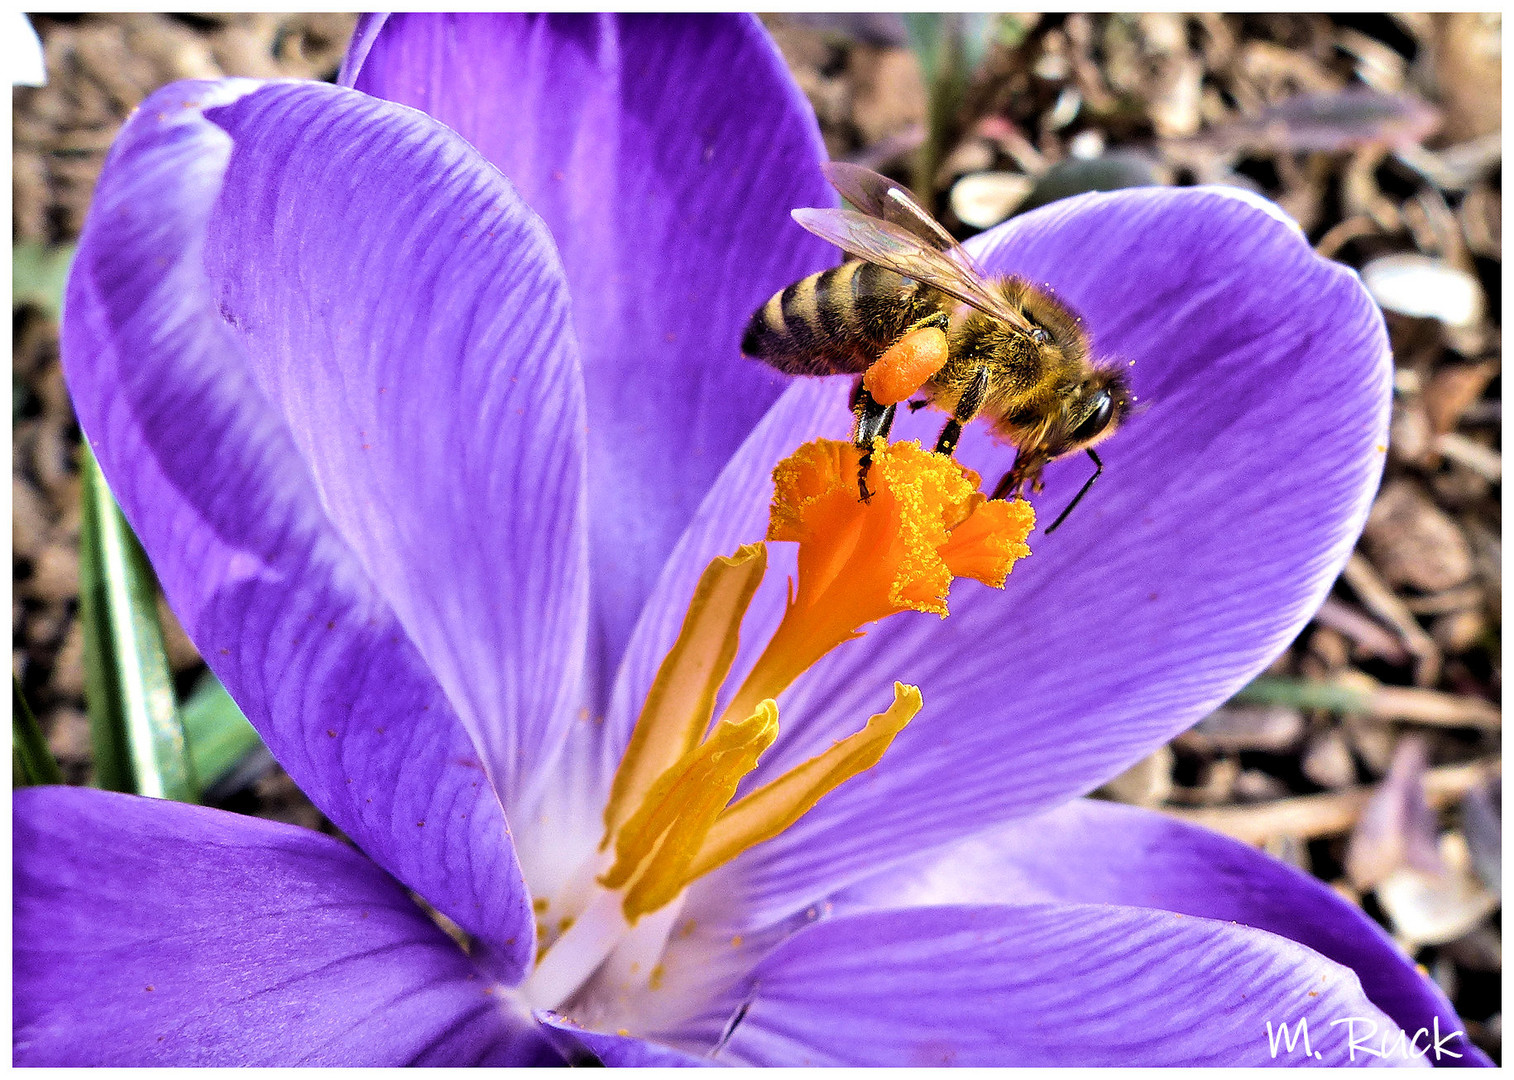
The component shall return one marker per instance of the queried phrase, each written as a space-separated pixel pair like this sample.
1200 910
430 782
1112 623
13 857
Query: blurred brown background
1369 755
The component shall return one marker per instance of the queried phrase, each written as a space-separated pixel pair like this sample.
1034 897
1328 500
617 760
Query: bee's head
1092 412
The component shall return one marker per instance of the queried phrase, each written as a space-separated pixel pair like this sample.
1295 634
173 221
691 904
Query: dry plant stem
1460 598
1361 629
1382 602
1442 224
1355 693
1341 234
1484 461
1309 817
1435 709
1024 153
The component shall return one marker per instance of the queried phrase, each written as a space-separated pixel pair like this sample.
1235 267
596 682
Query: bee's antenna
1098 468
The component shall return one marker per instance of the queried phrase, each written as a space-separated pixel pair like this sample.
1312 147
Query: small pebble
55 574
1246 727
68 669
1413 542
28 521
1253 785
984 199
1425 288
68 736
1328 762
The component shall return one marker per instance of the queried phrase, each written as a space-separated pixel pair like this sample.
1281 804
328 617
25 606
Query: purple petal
1228 508
1043 984
1103 853
670 209
321 351
154 933
364 34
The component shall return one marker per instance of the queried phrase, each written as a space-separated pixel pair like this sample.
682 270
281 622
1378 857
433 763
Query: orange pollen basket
906 366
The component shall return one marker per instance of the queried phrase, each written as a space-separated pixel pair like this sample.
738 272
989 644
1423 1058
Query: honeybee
1001 347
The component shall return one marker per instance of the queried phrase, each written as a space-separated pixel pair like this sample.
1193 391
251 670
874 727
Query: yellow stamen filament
659 841
669 818
773 807
682 699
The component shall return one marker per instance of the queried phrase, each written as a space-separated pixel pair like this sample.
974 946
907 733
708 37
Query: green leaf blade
138 740
38 274
32 762
220 737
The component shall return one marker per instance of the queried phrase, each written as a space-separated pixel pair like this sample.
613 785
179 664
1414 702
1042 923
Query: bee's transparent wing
878 196
895 248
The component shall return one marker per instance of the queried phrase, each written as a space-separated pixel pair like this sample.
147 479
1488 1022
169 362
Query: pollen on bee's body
906 366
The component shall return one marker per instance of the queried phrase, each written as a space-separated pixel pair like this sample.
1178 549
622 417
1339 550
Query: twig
1458 598
1361 629
1381 601
1360 694
1342 233
1483 460
1434 708
1014 144
1310 817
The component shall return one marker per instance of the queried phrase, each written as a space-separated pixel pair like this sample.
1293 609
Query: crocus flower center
670 818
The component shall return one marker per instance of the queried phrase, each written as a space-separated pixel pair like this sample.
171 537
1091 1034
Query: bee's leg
940 320
916 406
967 407
1006 486
1098 470
873 421
1026 472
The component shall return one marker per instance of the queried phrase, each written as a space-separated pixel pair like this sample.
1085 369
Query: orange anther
906 366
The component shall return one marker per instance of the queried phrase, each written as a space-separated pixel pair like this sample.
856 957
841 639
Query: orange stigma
860 562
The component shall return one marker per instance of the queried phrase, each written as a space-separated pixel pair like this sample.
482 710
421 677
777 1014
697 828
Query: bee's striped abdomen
832 323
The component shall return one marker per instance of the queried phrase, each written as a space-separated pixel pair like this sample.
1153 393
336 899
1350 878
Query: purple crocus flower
429 462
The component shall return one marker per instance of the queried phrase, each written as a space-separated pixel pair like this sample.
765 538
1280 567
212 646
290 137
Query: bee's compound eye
1096 421
1039 335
